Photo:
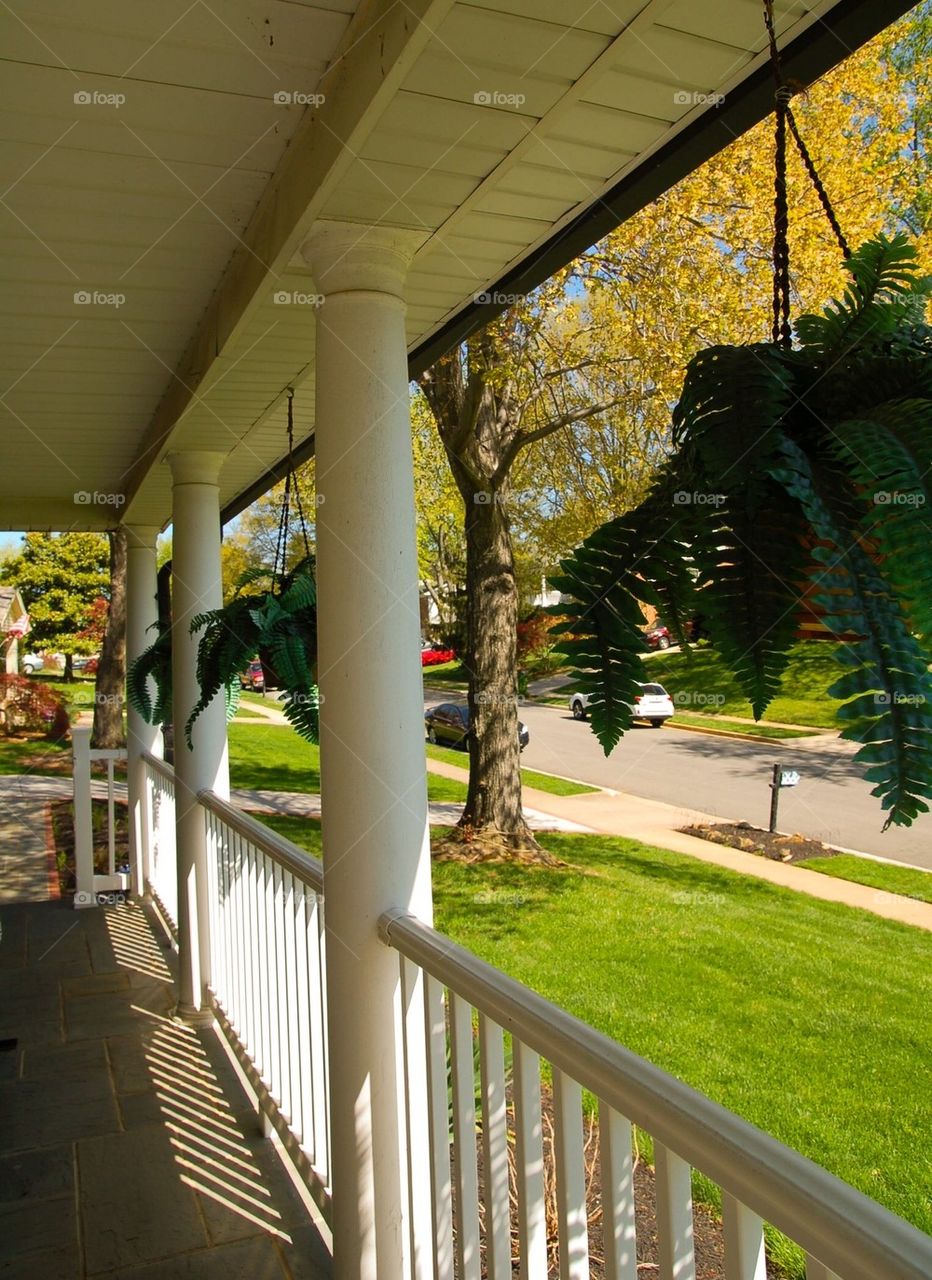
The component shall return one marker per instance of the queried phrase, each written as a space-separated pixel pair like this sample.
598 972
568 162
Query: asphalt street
729 778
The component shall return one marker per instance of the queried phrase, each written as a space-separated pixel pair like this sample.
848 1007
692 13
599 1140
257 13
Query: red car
252 677
659 637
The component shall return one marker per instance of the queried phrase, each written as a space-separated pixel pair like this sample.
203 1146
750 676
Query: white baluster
495 1150
572 1218
464 1140
617 1177
674 1216
744 1241
439 1106
529 1161
414 1093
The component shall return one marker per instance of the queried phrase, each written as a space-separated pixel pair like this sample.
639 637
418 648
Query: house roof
168 161
11 607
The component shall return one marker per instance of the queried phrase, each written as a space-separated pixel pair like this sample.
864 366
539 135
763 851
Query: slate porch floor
127 1145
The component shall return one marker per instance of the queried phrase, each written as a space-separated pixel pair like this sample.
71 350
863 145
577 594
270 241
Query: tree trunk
69 668
493 823
111 669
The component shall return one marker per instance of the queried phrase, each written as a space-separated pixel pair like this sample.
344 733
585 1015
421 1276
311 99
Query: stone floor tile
136 1208
35 1226
37 1175
63 1263
139 1108
90 1017
128 1064
57 1062
255 1259
38 1113
95 984
306 1257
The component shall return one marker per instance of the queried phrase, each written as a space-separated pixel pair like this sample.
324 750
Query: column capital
350 256
141 537
196 466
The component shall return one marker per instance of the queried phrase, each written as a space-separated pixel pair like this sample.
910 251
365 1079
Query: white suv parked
653 704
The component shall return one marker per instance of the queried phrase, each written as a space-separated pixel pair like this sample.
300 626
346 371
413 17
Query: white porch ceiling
149 167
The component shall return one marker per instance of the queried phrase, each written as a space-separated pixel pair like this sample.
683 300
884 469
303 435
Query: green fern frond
748 551
302 711
629 561
282 626
879 300
155 664
890 459
886 689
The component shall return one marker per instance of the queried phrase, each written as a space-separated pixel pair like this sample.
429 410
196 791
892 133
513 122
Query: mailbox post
781 778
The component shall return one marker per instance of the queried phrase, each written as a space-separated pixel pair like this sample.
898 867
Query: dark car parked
448 725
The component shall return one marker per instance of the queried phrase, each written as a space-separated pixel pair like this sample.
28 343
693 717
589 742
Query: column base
188 1016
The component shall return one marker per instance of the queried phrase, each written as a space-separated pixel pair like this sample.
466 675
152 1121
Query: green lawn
758 730
908 881
270 757
452 674
250 695
702 674
78 693
808 1018
529 777
29 756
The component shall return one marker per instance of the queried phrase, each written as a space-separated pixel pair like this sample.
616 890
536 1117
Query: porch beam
373 781
141 615
196 587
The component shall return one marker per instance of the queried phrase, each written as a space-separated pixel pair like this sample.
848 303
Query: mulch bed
708 1236
767 844
62 815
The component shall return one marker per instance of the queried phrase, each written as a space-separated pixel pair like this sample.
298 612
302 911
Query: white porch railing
845 1234
463 1021
160 866
93 887
268 978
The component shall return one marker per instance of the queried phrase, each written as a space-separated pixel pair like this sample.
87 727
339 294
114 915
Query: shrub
435 657
29 706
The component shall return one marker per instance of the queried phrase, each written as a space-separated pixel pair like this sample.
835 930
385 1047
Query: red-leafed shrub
434 657
29 706
533 635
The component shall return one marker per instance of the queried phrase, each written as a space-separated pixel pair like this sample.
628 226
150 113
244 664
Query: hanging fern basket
273 613
799 490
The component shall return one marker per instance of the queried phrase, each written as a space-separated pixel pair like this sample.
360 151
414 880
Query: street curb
592 788
739 737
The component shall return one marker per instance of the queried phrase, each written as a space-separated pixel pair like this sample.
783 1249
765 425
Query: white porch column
374 794
141 615
196 587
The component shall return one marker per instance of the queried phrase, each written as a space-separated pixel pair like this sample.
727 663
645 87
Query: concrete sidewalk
658 824
300 804
23 799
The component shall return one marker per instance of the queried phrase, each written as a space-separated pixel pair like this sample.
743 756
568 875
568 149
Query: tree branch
524 438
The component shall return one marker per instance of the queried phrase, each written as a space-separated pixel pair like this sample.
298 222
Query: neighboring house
14 624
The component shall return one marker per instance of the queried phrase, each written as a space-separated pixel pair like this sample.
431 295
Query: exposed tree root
471 844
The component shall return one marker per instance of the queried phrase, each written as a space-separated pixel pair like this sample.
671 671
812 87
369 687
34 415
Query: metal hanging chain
785 119
291 490
291 474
